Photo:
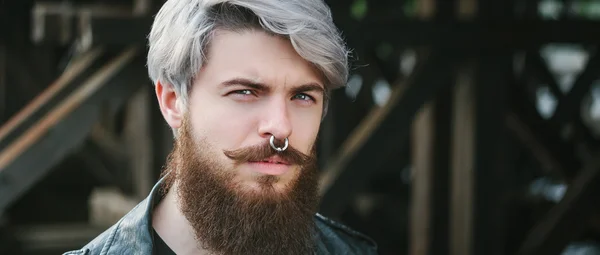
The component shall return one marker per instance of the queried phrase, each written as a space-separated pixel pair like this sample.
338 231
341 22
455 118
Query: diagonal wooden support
552 163
381 135
538 135
536 63
566 220
60 129
568 108
16 125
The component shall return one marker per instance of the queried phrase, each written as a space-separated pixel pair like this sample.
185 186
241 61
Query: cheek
306 129
221 124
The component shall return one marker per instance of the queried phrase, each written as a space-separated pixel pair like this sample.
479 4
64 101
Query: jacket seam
73 252
110 239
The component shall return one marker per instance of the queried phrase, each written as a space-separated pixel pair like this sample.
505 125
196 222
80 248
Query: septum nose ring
279 149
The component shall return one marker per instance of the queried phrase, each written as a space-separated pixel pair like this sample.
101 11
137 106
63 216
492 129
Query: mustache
263 151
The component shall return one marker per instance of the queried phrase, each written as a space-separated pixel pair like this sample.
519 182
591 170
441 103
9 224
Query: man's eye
304 97
242 92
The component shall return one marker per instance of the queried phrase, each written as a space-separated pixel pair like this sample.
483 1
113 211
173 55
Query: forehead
257 55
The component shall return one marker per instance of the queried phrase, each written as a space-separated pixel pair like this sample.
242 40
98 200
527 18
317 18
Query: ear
169 102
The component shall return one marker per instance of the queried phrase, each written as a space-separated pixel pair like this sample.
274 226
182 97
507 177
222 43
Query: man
244 84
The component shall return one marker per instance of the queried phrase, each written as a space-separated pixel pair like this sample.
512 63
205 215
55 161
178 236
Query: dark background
467 126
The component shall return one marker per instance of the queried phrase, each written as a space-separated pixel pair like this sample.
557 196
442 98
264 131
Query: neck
172 226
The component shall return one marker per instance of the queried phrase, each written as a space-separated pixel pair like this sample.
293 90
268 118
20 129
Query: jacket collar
133 234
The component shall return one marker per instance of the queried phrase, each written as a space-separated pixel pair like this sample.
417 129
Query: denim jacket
132 235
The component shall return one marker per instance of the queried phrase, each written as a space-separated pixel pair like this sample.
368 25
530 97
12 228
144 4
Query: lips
272 160
270 166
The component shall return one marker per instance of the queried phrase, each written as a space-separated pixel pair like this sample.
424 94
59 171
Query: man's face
239 194
255 85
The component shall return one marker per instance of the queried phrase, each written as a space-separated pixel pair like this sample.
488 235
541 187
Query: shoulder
95 246
339 238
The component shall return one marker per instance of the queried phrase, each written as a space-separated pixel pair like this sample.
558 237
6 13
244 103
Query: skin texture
254 85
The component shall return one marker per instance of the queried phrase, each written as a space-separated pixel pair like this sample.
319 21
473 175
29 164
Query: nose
276 122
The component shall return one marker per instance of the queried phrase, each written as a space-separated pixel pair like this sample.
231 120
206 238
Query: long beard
226 218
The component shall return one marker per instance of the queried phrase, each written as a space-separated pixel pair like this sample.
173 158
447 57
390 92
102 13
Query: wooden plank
462 150
43 98
423 139
462 175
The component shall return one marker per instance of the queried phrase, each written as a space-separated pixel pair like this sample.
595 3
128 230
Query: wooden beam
369 145
429 208
55 134
491 175
462 177
525 121
91 25
472 36
71 73
478 173
566 220
462 150
550 162
423 142
537 64
58 23
139 142
569 106
67 106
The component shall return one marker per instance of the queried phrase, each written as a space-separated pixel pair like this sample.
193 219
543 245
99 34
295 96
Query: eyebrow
247 83
313 86
309 87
